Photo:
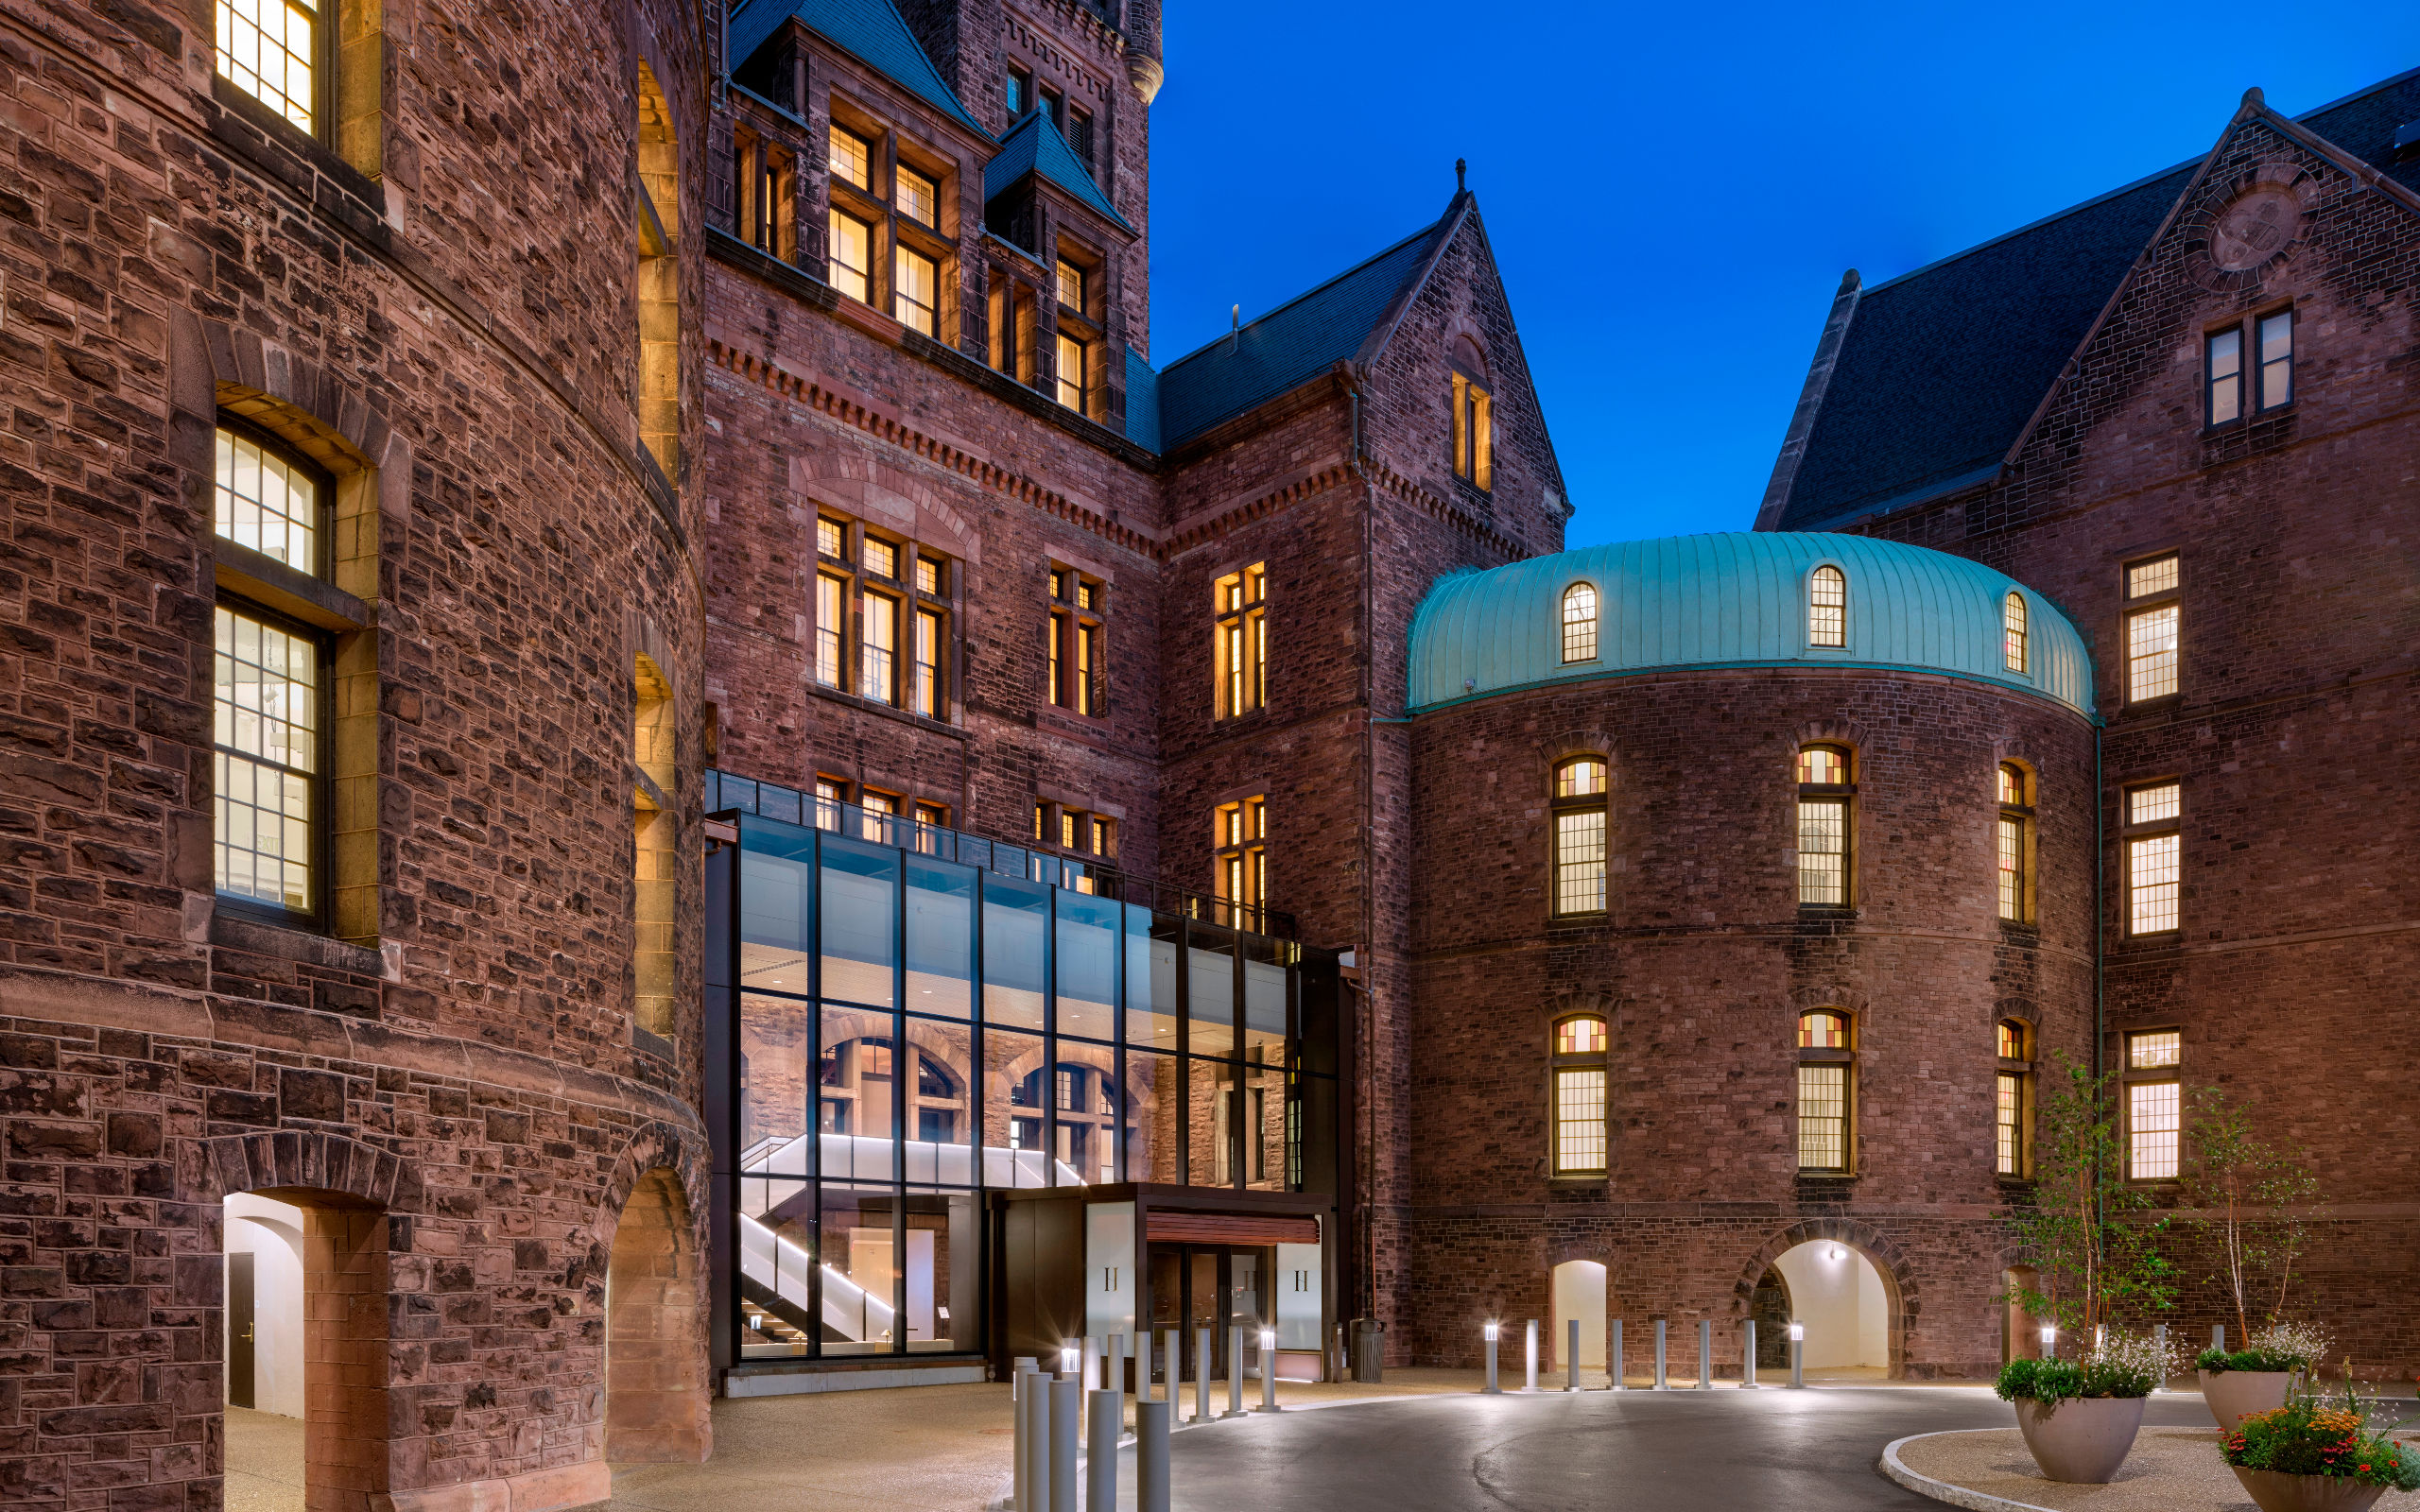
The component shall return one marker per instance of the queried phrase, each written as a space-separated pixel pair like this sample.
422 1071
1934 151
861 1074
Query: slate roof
1142 402
1034 145
871 31
1942 368
1288 346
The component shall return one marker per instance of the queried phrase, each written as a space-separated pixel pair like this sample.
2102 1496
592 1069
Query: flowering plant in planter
2080 1417
2307 1437
2277 1346
2126 1364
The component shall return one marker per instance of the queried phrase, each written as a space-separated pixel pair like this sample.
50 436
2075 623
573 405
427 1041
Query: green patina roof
1737 599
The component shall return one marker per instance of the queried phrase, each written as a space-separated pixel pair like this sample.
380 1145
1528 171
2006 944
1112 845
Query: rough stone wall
1701 967
2290 738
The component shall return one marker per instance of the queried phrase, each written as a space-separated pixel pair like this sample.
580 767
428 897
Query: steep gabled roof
1940 370
1142 402
871 31
1034 145
1290 345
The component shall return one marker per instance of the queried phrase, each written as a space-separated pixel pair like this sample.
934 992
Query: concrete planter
2277 1492
2084 1440
2235 1395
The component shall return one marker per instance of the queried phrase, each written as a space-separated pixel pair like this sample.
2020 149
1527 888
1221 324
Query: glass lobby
923 1018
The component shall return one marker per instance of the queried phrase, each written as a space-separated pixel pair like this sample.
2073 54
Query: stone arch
2021 1008
894 498
1556 749
655 1365
1899 1289
1833 731
1826 994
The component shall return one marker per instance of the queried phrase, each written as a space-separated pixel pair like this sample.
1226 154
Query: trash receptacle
1369 1350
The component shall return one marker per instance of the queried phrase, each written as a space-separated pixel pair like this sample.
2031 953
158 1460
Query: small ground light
2050 1336
1268 1341
1797 1332
1491 1334
1067 1361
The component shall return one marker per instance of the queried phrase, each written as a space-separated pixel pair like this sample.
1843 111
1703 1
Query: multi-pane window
2271 369
1473 433
2222 373
270 50
1580 810
915 290
830 792
767 185
1579 623
1240 832
2013 1090
1078 633
1825 1085
830 627
2275 334
2013 635
1077 830
852 158
924 675
878 647
1239 644
882 617
2151 628
918 198
1016 92
1579 1065
1827 607
851 258
1824 796
1071 286
1070 372
2154 844
2013 843
1079 133
2154 1104
267 701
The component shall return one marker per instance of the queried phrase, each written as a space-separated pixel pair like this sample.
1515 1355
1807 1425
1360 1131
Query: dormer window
1071 286
851 261
1579 623
919 197
851 157
1474 417
2012 632
1828 607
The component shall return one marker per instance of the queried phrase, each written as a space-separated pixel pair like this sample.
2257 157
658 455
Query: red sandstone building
647 748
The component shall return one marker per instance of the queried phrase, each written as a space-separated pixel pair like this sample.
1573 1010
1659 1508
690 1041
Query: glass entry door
1215 1287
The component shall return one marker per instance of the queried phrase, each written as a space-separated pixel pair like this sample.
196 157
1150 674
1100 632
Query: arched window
856 1077
2012 1114
657 214
1828 607
1826 1089
1579 623
2014 843
1084 1099
1826 796
1579 1096
1474 417
2012 632
1580 825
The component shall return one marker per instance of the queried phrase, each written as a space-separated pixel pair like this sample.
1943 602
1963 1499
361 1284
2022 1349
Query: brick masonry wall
1701 968
2291 737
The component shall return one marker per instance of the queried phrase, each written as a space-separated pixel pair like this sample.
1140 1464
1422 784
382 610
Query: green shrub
2126 1364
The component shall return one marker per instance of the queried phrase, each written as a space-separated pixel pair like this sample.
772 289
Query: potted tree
2250 1194
2096 1259
2311 1455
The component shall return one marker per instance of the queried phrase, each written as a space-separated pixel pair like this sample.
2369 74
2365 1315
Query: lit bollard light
1071 1359
1235 1372
1706 1354
2049 1341
1529 1345
1659 1356
1202 1376
1152 1420
2218 1335
1491 1388
1269 1370
1614 1360
1748 1355
1571 1355
1797 1355
1100 1468
1066 1414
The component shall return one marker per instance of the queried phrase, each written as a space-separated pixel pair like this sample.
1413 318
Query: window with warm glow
850 157
1580 1073
2151 629
882 626
1822 1030
1071 286
1581 822
2013 1092
918 198
878 647
2155 846
1240 832
1071 374
851 260
1824 797
2154 1125
1079 633
1473 433
2155 1051
1826 1063
1827 607
1579 623
1239 644
2013 651
916 291
830 792
270 50
2013 843
266 502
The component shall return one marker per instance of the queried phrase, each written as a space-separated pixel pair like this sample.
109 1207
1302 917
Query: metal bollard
1067 1413
1748 1355
1202 1376
1529 1342
2218 1335
1706 1354
1017 1367
1020 1414
1571 1355
1614 1361
1235 1373
1100 1468
1659 1356
1092 1376
1112 1367
1169 1352
1797 1355
1151 1455
1268 1370
1491 1388
1033 1486
2159 1341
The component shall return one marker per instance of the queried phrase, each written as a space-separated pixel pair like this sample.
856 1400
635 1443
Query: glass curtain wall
914 1031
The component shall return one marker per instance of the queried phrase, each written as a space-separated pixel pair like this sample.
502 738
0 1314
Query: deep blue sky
1673 190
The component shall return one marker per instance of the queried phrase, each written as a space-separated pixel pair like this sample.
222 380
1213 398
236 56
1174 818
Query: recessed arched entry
1579 1293
655 1390
1846 1283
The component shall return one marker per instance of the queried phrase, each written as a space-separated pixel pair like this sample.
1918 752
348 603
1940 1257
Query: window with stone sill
1474 417
1578 1063
2155 1105
1826 1091
272 50
1076 635
2013 844
883 617
2012 1100
1240 832
850 244
1826 799
2234 386
2153 608
765 177
2152 833
1581 815
1239 642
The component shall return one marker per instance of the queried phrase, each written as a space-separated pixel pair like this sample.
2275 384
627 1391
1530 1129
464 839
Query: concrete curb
1894 1467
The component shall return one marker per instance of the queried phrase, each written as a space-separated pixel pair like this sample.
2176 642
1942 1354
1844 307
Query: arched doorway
1840 1297
262 1240
1580 1293
655 1391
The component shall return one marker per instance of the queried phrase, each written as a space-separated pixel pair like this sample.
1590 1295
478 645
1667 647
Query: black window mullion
814 1099
1183 1049
1050 1040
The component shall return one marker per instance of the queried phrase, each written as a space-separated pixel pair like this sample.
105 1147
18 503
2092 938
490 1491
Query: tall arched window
1474 416
1579 623
2014 843
1579 1096
1826 1089
2012 1112
2012 632
1580 824
1084 1113
1825 795
1828 607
